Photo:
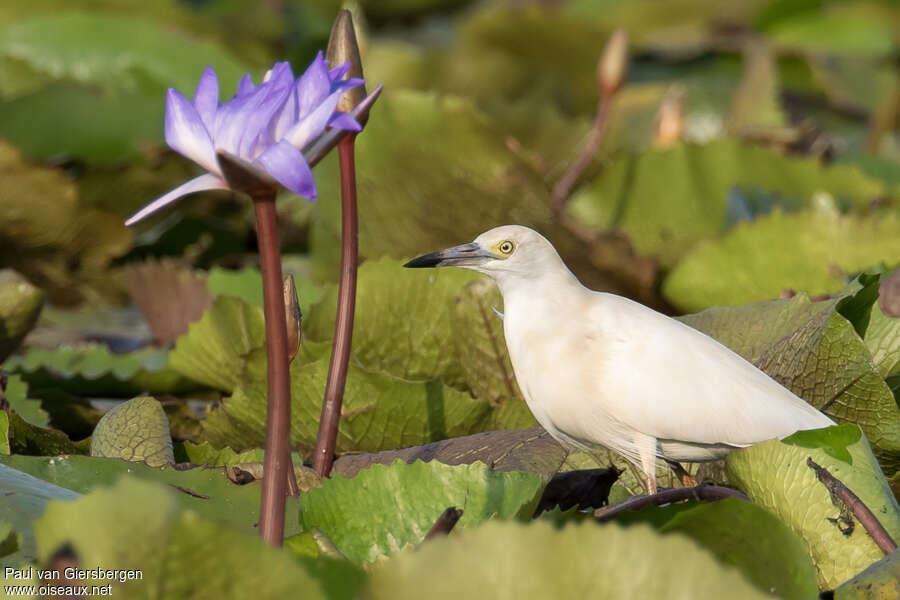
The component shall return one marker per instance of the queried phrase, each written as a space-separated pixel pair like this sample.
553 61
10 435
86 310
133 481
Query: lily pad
30 410
385 508
208 492
742 534
137 431
101 529
411 343
816 353
509 559
24 499
810 251
20 306
214 350
775 475
880 580
667 200
481 343
379 411
92 369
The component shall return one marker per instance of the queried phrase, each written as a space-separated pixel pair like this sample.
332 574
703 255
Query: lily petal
313 86
262 113
186 133
310 126
198 184
344 121
288 167
245 85
206 98
339 71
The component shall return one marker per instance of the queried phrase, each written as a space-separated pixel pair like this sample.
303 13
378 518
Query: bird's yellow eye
505 247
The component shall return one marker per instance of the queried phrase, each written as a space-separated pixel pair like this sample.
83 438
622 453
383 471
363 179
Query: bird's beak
466 255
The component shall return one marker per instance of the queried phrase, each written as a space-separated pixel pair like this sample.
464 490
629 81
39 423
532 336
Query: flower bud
670 118
293 317
613 64
343 47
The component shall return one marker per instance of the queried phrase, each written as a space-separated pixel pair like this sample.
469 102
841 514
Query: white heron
597 369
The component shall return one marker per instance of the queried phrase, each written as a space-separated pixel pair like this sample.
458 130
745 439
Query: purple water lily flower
267 126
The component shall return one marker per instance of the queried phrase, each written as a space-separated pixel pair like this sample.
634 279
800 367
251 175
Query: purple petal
310 126
206 98
287 166
339 71
344 121
264 110
198 184
287 116
347 84
186 133
245 85
313 86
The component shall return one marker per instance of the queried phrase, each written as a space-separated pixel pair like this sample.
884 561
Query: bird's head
503 253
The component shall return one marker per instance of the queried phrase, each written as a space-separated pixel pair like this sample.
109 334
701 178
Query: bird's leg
646 447
683 476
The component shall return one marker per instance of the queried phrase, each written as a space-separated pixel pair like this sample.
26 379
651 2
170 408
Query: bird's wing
670 381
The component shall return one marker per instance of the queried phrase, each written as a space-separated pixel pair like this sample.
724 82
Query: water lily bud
293 316
343 48
613 64
670 118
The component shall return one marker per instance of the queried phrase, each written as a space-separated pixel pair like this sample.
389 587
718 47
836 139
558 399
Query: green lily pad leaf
883 341
856 305
24 500
205 454
833 440
104 128
509 559
842 30
20 306
411 207
208 492
379 411
385 508
92 369
137 431
809 251
25 438
412 343
245 284
667 200
214 350
481 344
30 410
115 51
775 476
880 580
815 352
101 529
742 534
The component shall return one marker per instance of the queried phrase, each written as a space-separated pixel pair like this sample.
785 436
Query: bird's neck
552 290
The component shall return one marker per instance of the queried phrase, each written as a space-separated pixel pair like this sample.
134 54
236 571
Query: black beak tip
424 262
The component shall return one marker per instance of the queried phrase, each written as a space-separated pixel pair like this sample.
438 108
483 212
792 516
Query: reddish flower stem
343 326
278 414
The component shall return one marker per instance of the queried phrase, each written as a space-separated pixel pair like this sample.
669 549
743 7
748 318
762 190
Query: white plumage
597 369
